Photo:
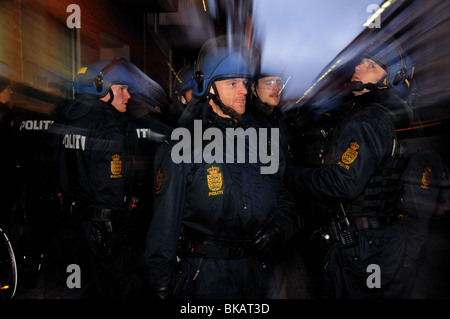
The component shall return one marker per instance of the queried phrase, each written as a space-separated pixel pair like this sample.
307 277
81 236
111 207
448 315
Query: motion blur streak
313 43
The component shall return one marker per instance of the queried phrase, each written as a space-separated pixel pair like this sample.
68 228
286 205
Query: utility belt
365 222
107 228
209 247
82 210
345 230
104 214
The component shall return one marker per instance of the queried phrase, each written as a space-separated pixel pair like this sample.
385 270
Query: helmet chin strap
225 109
359 86
111 96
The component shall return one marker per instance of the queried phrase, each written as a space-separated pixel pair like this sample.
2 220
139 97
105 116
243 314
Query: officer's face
121 97
232 92
368 71
5 95
268 90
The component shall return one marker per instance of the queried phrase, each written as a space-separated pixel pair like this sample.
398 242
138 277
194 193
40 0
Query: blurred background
45 42
314 43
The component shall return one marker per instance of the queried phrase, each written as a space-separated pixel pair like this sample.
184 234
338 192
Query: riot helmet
184 81
268 84
399 68
96 80
8 76
221 58
4 83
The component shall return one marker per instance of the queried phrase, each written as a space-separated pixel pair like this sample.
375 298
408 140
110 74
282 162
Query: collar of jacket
401 113
82 104
245 121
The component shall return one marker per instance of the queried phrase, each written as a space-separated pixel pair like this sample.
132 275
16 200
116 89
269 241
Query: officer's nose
277 86
243 89
127 94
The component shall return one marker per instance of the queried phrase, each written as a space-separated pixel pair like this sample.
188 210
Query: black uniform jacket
227 200
362 143
99 154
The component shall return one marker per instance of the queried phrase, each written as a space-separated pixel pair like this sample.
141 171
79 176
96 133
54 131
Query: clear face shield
147 96
97 79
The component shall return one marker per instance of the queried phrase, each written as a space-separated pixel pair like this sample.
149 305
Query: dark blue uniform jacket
363 144
100 155
231 201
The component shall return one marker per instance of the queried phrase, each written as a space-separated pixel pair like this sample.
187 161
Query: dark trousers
120 274
347 271
211 278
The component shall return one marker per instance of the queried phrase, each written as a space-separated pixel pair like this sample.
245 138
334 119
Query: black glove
100 239
267 241
162 293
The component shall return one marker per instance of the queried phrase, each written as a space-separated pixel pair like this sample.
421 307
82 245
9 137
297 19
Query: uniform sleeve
105 160
286 215
164 228
358 152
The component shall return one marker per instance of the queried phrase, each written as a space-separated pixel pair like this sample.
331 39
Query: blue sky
307 35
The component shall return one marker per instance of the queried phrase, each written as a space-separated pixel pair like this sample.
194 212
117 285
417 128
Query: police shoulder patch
350 155
426 178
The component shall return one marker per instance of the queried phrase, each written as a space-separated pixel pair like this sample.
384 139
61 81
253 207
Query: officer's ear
109 96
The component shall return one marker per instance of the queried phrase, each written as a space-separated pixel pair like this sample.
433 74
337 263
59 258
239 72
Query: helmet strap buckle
98 80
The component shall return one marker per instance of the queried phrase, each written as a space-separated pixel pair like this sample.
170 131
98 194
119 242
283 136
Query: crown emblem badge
116 166
350 155
426 178
214 179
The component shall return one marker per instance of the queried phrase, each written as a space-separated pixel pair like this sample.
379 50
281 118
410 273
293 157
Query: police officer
37 175
100 167
7 168
151 130
264 102
266 91
182 94
184 83
223 219
348 185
